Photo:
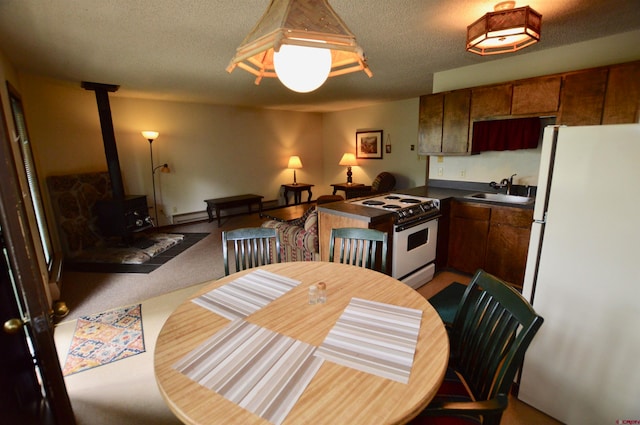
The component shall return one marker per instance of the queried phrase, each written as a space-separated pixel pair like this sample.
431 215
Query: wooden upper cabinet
443 124
536 96
455 124
622 101
582 100
430 123
493 101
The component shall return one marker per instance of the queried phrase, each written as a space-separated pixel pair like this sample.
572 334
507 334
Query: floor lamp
151 136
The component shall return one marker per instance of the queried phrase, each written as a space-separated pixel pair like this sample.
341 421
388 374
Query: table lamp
294 163
349 160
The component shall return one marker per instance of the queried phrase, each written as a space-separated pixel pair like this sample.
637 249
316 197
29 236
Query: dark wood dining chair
359 246
492 329
251 246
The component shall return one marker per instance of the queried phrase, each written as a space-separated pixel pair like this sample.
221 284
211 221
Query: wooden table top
336 394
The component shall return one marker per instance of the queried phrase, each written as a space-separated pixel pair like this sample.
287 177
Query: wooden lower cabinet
492 238
508 243
468 234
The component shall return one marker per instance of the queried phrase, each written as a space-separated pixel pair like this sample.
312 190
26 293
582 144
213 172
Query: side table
297 190
347 188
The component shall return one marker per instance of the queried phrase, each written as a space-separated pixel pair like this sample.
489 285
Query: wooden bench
231 202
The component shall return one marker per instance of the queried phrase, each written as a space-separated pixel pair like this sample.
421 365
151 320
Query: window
31 175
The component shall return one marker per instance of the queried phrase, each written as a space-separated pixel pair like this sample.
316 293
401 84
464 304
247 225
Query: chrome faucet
508 183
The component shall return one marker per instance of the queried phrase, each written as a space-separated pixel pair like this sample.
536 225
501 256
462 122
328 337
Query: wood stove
121 215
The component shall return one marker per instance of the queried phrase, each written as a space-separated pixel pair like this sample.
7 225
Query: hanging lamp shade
506 29
309 24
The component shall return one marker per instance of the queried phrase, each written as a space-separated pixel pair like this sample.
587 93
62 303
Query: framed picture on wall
369 144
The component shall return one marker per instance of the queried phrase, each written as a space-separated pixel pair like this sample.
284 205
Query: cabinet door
455 124
536 96
582 100
622 101
430 124
468 236
508 243
494 101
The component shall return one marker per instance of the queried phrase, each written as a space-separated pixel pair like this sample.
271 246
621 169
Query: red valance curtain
503 135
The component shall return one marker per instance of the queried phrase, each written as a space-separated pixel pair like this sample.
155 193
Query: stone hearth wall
73 198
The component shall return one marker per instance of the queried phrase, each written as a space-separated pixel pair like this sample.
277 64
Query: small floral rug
104 338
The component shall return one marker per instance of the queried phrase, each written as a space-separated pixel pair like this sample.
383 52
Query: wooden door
455 124
32 386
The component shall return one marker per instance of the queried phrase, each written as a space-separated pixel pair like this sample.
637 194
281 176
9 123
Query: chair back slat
252 247
493 327
359 247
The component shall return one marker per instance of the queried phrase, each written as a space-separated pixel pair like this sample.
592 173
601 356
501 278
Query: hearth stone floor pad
137 257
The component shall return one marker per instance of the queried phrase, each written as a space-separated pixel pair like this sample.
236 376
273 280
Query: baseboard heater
194 216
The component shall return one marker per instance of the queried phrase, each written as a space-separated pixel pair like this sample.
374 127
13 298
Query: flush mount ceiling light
504 30
302 43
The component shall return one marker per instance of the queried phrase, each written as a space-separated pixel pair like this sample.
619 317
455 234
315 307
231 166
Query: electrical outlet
440 171
175 210
463 173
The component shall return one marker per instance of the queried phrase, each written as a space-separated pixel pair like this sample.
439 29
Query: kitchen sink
501 197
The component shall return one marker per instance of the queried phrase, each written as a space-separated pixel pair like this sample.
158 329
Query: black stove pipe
108 135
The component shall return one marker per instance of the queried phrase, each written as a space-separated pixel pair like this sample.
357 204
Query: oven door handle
409 225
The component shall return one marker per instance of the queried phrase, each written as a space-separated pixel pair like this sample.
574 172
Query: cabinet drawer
471 211
515 217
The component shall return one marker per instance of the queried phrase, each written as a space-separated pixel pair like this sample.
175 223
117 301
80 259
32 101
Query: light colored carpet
88 293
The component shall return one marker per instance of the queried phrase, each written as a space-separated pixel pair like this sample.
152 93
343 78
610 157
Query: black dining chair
251 246
490 333
358 247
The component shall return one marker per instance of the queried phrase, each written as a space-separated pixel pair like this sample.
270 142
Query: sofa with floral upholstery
299 237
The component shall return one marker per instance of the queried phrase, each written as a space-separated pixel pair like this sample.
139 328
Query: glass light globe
300 68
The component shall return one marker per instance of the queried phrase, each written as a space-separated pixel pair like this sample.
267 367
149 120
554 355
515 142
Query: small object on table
322 293
313 294
230 202
297 190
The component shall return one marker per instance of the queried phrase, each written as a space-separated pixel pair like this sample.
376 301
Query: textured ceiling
179 49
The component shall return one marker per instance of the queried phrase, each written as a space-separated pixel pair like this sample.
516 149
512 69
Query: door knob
13 326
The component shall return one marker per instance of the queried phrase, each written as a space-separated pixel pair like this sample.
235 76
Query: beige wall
399 123
213 151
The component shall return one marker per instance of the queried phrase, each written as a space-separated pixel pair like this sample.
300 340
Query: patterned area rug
104 338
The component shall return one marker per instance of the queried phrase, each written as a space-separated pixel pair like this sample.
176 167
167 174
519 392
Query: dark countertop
374 215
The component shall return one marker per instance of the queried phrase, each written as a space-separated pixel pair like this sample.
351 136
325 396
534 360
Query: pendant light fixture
506 29
302 43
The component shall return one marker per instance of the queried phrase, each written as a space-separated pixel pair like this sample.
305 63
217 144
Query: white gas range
415 233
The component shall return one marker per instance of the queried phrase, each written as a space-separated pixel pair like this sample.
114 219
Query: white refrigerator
583 277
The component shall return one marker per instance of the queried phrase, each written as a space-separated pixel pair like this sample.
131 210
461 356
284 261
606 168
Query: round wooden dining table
336 394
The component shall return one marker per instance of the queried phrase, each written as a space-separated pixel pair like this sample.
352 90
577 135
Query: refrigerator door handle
543 221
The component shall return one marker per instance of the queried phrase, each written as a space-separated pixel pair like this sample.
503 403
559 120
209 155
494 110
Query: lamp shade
302 69
150 135
348 159
504 30
294 162
299 23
